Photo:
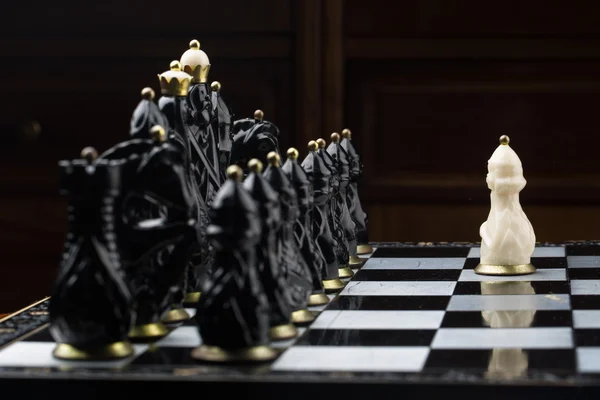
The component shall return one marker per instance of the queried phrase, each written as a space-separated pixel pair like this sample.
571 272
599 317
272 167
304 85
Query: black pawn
359 216
296 270
90 306
303 228
320 177
233 311
341 213
271 275
146 115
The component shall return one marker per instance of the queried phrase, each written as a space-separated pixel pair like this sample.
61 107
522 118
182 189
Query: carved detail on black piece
340 210
90 306
303 227
319 175
223 126
253 138
297 272
201 122
157 227
270 273
198 170
233 312
359 216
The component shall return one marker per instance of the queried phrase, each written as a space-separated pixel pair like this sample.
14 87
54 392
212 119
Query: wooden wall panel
430 85
427 129
468 18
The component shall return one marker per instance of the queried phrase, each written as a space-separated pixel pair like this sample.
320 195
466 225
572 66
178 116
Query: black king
202 119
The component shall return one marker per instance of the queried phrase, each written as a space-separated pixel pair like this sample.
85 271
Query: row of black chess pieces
181 215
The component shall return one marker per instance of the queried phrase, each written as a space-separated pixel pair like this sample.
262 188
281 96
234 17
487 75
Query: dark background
426 86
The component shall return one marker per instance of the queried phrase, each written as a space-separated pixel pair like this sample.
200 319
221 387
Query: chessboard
415 318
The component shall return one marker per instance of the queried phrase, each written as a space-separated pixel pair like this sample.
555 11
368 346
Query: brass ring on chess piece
363 249
221 355
345 272
192 297
283 332
505 270
356 262
303 317
318 299
155 330
175 316
333 285
111 351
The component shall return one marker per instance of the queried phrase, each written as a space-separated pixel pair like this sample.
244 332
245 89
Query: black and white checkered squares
427 306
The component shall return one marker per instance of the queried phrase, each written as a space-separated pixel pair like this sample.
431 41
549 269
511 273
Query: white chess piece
507 237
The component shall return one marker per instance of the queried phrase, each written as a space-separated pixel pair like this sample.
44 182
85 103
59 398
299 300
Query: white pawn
507 237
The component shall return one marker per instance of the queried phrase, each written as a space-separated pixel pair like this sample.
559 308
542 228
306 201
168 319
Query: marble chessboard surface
414 313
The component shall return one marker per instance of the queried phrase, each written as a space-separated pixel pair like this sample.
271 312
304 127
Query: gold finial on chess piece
335 137
215 86
312 146
321 142
504 140
89 154
234 173
147 93
255 166
175 65
195 62
347 134
274 159
259 115
292 153
158 134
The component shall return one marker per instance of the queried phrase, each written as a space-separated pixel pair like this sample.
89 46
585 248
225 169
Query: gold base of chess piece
192 297
345 272
155 330
504 270
356 261
362 249
303 316
319 299
283 332
333 285
113 351
175 316
247 355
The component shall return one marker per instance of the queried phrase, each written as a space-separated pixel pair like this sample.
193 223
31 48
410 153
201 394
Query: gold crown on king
174 82
195 62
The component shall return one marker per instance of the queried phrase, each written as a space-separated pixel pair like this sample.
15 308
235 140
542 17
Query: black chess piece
290 259
341 213
91 306
253 138
156 230
303 227
270 273
233 312
223 126
201 117
146 115
357 213
319 175
174 85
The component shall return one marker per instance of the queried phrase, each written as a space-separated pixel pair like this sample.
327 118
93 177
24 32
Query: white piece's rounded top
194 57
505 170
